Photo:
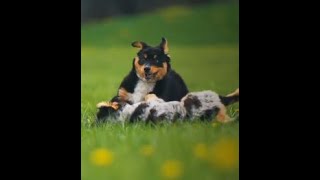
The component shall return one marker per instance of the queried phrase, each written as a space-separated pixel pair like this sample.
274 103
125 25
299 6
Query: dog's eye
158 61
141 61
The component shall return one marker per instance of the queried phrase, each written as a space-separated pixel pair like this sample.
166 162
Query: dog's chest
140 91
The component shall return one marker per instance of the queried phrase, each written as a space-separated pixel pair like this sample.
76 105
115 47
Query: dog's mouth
150 76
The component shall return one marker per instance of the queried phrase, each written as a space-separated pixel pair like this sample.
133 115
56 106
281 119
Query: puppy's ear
139 44
113 105
164 45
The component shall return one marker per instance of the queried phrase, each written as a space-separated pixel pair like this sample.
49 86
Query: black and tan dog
151 73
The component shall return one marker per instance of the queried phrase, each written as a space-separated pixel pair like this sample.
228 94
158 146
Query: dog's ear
139 44
164 45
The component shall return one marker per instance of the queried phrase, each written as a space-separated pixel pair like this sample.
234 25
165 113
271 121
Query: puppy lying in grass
204 105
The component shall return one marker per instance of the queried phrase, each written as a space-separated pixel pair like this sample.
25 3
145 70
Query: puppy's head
109 109
151 63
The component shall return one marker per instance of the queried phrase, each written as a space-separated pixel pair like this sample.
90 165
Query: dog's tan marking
145 56
150 97
164 45
103 104
138 44
222 115
114 105
235 93
161 71
139 68
123 94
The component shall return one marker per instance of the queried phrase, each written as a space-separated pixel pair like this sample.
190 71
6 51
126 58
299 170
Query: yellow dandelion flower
224 154
172 169
147 150
101 157
200 151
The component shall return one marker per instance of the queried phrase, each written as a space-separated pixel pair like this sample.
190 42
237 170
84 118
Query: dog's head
151 63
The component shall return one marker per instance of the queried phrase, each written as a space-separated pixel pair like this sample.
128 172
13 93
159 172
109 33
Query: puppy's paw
150 97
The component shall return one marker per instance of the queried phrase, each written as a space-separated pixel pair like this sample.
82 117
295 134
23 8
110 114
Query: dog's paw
150 97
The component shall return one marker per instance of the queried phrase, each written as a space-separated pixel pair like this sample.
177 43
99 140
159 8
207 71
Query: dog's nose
146 69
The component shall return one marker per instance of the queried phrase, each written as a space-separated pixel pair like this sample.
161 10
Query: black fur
171 88
229 100
191 101
177 116
152 116
137 112
130 81
103 113
209 114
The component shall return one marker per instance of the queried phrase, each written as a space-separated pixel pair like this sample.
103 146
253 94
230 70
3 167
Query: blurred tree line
98 9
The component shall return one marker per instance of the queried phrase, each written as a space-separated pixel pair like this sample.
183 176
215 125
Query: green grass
203 44
202 25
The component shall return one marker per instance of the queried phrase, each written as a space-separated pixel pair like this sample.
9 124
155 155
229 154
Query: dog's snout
147 69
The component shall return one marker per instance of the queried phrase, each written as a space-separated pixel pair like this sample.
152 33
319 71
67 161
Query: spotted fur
204 105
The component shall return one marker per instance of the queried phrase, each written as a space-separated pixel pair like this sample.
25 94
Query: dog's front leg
124 95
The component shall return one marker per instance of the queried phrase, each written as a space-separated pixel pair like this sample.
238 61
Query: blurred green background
203 41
